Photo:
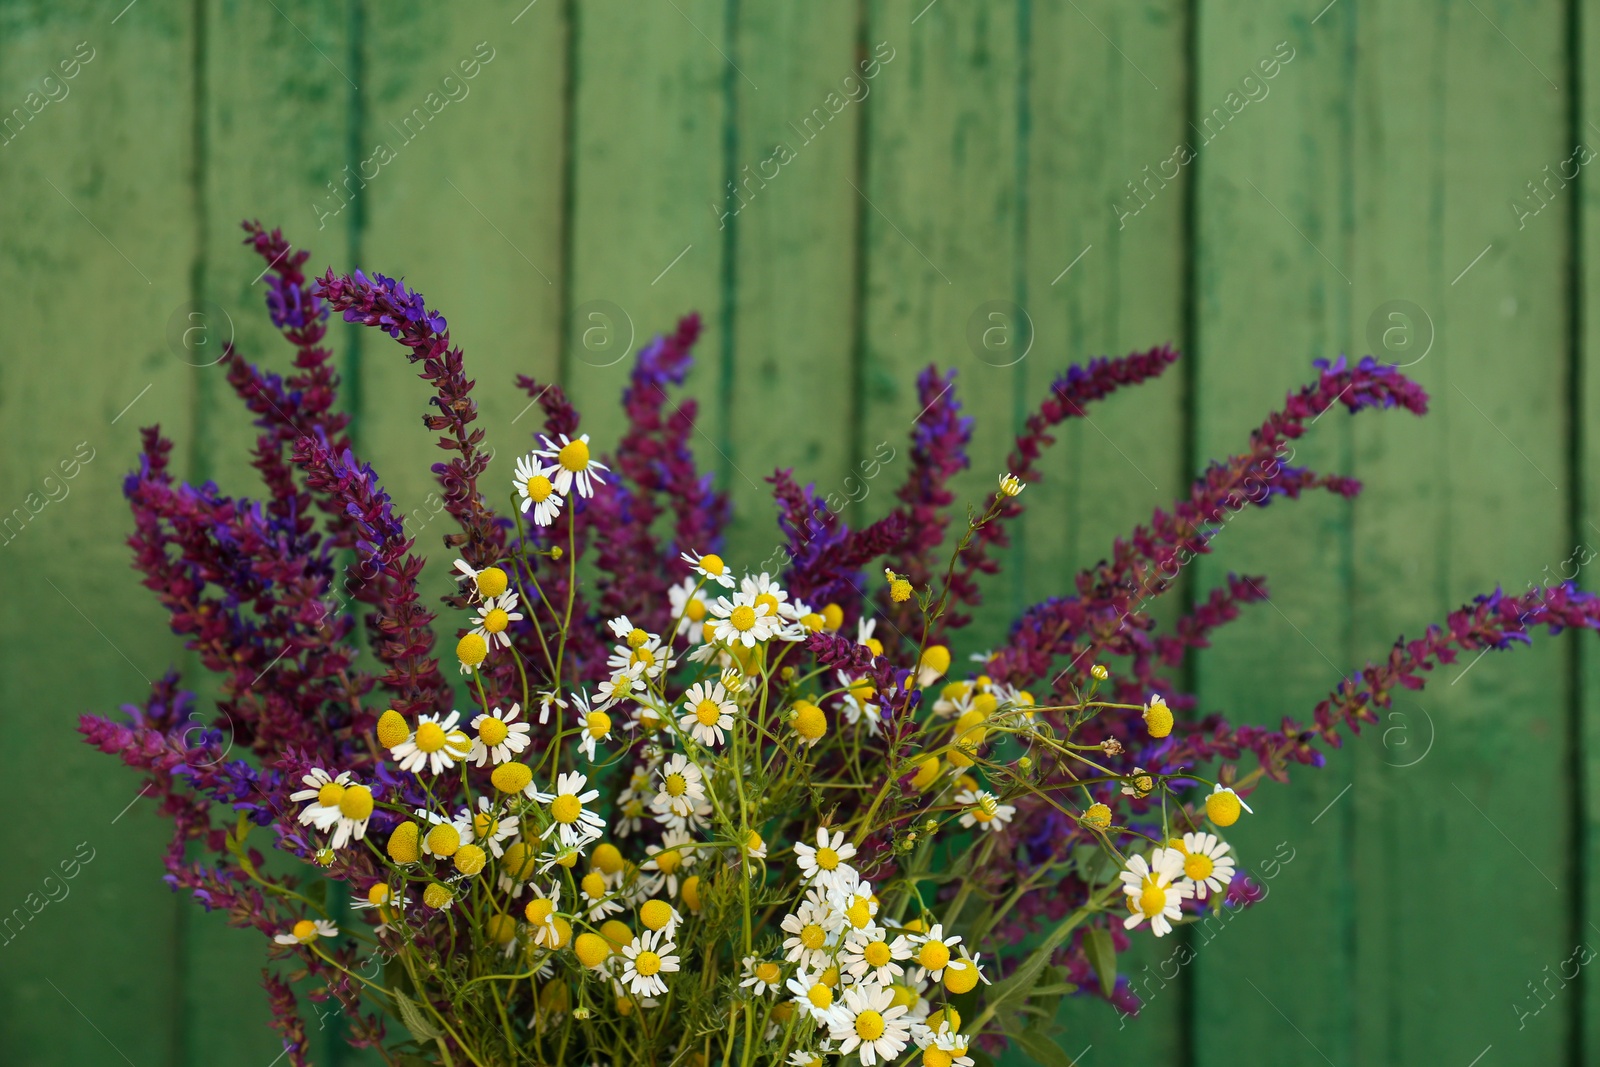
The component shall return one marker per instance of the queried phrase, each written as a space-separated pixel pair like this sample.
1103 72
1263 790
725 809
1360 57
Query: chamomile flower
855 902
802 1058
689 607
381 897
1206 863
814 996
547 700
436 743
629 817
597 897
764 592
541 913
707 713
638 662
1139 784
813 929
325 792
710 566
857 702
572 469
682 787
618 687
871 1024
934 951
1222 806
984 810
306 931
1154 891
481 583
824 864
594 725
1010 484
645 959
741 620
493 827
670 859
954 1046
577 824
495 614
871 952
761 976
500 735
963 973
538 493
634 636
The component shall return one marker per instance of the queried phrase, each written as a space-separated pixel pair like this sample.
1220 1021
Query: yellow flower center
1098 816
539 911
675 784
392 728
707 712
444 839
437 896
511 777
539 488
695 610
492 731
484 824
859 913
356 803
594 885
1153 899
471 649
827 858
869 1025
934 1056
574 456
743 617
598 723
812 621
810 721
637 637
829 977
330 795
566 808
768 601
821 997
933 955
669 862
655 913
496 620
813 936
1223 808
492 581
305 930
981 812
712 563
608 858
430 737
768 972
378 894
647 963
876 953
643 655
1198 866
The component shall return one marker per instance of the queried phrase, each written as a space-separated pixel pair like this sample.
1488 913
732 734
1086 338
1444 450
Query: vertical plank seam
729 285
1016 555
1578 916
1188 384
181 1045
857 311
357 225
568 192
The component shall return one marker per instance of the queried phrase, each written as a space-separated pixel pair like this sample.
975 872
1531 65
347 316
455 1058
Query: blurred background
848 190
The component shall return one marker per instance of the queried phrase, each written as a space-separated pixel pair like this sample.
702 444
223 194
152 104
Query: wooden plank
99 243
651 123
1272 263
476 228
1450 136
278 126
792 224
942 232
1104 275
1586 514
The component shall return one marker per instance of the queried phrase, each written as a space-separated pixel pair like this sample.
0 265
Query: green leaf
416 1022
1102 957
317 892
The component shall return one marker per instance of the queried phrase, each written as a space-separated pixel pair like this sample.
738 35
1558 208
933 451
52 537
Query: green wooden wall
1435 877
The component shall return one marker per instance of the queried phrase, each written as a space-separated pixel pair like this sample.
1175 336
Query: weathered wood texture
844 190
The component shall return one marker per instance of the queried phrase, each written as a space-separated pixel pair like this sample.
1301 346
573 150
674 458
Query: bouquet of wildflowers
656 808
